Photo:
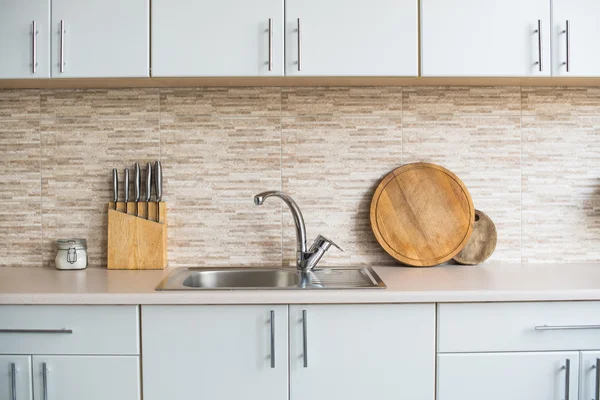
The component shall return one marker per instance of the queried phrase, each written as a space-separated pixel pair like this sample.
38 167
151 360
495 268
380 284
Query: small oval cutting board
482 242
422 214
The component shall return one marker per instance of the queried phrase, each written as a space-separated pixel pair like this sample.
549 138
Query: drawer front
485 327
69 330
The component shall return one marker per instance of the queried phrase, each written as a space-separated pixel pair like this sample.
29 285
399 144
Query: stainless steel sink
268 279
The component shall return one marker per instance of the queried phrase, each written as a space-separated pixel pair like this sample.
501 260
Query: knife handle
126 187
148 181
115 188
158 181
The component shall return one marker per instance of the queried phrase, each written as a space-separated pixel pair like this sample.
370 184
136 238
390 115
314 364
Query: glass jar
72 254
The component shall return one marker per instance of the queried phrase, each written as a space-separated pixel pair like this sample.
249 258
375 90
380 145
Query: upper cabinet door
485 38
356 352
20 49
100 39
217 38
351 38
575 48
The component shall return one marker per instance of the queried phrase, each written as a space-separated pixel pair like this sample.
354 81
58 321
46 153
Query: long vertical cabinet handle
304 339
597 389
539 32
567 32
272 339
299 47
44 381
34 33
62 46
270 44
13 381
567 368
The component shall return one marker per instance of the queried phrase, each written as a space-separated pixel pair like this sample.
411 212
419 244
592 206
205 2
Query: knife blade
137 183
148 187
126 188
158 187
115 188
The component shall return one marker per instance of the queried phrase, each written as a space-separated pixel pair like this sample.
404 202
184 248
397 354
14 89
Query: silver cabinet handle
597 390
68 331
62 46
299 47
304 339
34 33
270 44
539 32
13 380
272 339
567 33
44 381
564 327
567 368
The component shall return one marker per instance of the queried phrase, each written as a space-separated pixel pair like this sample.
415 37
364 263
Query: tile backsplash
529 156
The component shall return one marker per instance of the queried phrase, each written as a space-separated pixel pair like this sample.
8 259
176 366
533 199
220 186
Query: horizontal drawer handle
64 330
565 327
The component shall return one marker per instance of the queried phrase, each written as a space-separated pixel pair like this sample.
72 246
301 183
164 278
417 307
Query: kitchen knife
126 189
158 187
148 188
136 187
115 188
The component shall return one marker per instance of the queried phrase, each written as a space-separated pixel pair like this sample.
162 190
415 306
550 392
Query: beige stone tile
72 220
207 102
484 152
215 160
20 165
560 103
339 101
224 234
99 103
78 155
19 104
21 237
449 103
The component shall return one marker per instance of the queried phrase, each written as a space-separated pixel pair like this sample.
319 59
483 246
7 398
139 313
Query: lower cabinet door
590 375
15 378
86 377
514 376
363 351
215 352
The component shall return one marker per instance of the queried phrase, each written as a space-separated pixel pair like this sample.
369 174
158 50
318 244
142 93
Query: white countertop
484 283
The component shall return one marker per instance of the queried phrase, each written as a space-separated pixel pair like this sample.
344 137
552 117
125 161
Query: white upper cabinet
100 39
20 49
217 38
577 44
351 38
476 38
366 351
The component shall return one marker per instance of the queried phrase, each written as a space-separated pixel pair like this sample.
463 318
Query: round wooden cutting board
422 214
482 242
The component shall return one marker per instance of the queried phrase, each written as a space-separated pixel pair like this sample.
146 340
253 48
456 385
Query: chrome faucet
306 260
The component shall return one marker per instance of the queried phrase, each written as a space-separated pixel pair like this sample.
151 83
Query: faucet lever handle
321 242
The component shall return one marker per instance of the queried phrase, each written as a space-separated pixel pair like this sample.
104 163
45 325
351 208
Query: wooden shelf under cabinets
289 82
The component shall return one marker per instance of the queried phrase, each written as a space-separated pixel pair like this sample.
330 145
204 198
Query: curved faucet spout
296 214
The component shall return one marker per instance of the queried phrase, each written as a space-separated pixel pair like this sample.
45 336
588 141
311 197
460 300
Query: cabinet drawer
69 330
518 326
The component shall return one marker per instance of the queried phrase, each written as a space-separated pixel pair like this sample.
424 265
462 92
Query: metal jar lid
66 244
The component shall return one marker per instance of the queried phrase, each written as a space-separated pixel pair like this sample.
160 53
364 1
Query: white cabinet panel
216 38
352 38
215 352
17 45
502 376
590 375
102 38
15 369
356 352
484 37
584 34
84 377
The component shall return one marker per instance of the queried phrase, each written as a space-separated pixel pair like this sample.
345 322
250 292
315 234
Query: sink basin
271 278
240 278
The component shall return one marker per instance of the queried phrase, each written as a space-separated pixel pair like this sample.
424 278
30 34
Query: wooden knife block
135 242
